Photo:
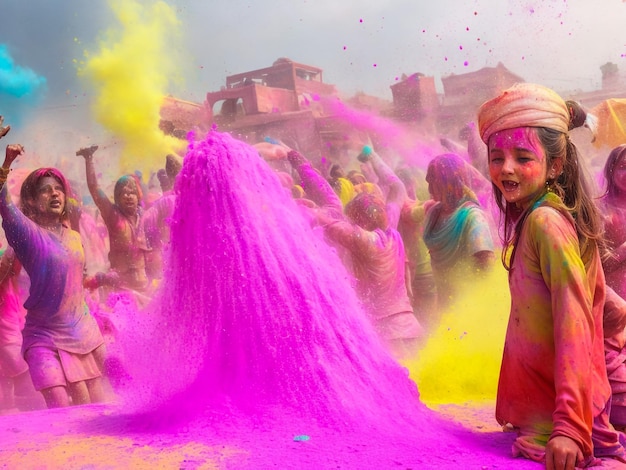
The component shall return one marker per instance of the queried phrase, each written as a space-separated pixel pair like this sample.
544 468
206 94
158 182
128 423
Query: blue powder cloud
15 80
21 89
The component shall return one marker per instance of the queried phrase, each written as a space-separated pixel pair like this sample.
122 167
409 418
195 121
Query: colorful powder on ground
142 457
131 73
21 89
461 360
258 328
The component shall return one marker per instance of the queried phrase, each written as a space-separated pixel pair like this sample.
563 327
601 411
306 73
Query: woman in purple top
62 344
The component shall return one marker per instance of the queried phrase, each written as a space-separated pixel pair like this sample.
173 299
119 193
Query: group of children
562 385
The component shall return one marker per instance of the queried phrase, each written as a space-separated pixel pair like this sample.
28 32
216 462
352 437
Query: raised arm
4 130
12 152
16 225
99 197
396 192
314 184
19 229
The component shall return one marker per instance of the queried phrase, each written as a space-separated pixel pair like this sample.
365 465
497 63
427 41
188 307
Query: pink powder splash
256 352
257 307
409 145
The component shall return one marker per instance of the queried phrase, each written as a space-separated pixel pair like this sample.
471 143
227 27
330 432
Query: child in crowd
62 344
613 205
127 252
456 228
367 230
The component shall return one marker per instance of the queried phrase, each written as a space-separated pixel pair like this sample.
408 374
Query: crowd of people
562 386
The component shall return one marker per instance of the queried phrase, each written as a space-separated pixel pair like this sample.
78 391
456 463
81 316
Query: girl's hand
87 152
4 130
562 453
12 152
270 151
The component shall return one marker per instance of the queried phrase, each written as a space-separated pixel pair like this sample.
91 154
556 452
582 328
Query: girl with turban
553 388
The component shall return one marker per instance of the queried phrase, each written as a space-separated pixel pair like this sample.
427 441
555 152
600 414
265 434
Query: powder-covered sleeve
21 232
349 235
314 184
413 211
396 192
554 238
478 232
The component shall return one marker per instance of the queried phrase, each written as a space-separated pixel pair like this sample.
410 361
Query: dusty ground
101 437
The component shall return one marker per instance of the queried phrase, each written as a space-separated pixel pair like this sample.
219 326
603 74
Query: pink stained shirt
378 265
377 258
553 376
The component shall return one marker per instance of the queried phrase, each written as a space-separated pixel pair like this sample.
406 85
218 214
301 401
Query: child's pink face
517 165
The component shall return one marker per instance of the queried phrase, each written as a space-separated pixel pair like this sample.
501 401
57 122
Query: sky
361 46
365 46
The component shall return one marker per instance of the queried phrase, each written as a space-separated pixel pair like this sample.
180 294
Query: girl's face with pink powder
518 166
50 197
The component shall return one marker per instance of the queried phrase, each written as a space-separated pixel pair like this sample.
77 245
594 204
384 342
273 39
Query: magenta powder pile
256 310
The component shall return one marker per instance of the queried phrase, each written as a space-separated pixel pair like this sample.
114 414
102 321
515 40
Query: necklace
56 228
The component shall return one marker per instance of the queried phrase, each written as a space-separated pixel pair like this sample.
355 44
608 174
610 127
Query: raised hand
4 130
87 152
12 152
271 151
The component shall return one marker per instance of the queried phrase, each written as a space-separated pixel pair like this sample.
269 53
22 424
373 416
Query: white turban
523 105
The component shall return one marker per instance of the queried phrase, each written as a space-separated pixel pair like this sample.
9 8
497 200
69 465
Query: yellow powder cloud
461 360
131 72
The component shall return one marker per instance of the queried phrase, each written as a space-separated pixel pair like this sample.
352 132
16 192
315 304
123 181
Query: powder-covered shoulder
550 220
75 236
